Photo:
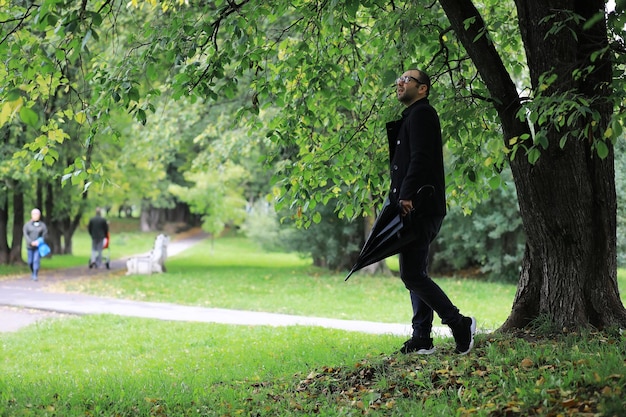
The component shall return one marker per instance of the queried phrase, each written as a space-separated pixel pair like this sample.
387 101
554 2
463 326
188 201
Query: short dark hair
423 78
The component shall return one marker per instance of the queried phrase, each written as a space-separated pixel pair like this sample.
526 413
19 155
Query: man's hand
405 207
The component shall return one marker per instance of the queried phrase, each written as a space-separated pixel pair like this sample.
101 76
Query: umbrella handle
424 192
428 187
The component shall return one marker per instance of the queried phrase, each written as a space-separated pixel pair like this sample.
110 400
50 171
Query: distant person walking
98 230
34 230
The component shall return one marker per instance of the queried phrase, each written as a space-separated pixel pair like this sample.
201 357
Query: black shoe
91 264
463 333
421 346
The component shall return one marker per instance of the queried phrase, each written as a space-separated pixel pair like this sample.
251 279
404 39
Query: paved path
23 302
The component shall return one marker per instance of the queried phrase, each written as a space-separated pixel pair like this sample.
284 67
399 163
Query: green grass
234 273
112 366
105 365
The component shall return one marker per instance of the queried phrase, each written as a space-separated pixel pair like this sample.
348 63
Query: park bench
154 262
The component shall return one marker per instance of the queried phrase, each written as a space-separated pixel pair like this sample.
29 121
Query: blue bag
43 248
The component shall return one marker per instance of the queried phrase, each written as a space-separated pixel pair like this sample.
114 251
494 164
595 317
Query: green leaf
96 19
36 165
602 149
51 20
29 116
593 20
533 155
542 140
133 94
151 71
141 116
85 40
495 182
352 7
13 94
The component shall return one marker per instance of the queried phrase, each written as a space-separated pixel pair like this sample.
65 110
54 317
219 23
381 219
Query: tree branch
20 21
233 7
471 30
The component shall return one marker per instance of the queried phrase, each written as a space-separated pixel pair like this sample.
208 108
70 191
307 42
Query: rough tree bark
12 199
4 221
567 198
151 218
15 254
11 253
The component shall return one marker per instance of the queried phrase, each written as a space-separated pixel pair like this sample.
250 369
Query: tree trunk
150 218
63 210
11 254
67 233
54 234
567 198
4 223
15 255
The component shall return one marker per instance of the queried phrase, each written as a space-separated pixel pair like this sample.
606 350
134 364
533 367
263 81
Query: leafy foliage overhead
328 66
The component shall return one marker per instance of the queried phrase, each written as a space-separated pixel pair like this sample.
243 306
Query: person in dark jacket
416 160
98 229
34 229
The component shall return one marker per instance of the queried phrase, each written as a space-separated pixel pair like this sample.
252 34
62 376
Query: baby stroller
107 258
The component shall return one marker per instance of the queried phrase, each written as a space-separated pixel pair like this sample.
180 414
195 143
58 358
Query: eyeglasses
406 78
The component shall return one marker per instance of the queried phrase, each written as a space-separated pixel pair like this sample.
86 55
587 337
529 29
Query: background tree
12 188
45 88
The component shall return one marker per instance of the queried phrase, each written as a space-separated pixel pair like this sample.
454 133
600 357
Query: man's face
408 89
35 215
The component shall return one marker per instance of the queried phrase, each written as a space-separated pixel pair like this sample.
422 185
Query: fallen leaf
527 363
570 403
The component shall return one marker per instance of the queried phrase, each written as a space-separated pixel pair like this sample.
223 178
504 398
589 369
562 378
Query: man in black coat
98 229
415 149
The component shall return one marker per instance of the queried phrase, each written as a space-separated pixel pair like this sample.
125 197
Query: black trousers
426 295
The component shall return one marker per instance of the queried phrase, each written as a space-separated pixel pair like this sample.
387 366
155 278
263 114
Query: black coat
416 157
98 228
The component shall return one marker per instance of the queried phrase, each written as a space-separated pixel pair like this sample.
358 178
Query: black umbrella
391 231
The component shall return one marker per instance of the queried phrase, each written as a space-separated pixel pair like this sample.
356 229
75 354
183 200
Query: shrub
333 243
490 240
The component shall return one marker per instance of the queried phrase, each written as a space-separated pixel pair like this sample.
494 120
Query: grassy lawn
234 273
113 366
